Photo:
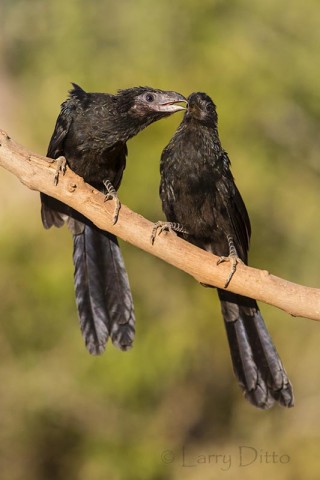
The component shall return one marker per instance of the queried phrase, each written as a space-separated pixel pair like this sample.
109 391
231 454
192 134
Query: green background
66 415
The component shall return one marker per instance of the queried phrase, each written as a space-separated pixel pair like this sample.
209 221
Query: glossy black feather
91 132
198 191
103 294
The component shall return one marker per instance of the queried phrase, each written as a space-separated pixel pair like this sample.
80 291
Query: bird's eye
209 107
149 97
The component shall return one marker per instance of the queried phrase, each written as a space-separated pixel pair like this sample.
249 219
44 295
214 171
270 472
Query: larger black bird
91 134
201 201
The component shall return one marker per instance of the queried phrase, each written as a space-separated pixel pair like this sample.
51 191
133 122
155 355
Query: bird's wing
61 129
237 212
240 221
54 212
166 189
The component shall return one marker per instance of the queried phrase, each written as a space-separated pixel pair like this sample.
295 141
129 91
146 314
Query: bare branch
37 173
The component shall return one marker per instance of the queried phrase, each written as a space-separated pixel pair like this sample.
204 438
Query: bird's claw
111 194
234 260
160 227
61 166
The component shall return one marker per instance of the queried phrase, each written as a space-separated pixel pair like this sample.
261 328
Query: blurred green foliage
67 415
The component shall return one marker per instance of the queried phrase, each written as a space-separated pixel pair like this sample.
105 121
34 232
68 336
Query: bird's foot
61 166
111 194
234 260
160 227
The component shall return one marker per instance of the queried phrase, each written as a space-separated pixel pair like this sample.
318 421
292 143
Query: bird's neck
128 126
204 133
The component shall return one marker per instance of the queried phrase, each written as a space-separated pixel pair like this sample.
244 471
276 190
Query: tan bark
37 173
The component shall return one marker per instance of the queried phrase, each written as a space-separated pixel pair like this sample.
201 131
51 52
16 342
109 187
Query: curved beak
168 102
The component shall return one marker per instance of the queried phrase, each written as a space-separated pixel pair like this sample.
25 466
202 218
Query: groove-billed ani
202 203
91 134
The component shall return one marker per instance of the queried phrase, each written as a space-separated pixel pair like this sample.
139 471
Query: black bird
202 203
90 136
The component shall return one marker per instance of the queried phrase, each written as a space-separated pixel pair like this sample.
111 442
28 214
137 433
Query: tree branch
37 173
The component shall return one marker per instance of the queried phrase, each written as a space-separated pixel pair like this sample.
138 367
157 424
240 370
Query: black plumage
199 194
91 134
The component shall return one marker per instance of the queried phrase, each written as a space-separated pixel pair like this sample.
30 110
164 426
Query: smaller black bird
202 203
90 135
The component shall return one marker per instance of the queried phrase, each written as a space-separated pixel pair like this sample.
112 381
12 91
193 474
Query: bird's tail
103 294
256 362
53 212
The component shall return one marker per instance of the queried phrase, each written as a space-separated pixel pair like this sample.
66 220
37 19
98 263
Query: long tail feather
256 362
103 295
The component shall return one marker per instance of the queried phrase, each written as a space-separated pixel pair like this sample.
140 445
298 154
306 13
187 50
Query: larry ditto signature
245 456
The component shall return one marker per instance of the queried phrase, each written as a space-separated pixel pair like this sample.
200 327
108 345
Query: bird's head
202 109
145 105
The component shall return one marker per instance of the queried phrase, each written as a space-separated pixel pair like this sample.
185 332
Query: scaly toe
234 260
